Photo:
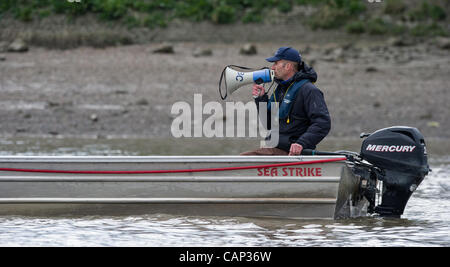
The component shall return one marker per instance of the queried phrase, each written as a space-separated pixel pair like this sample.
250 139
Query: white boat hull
318 190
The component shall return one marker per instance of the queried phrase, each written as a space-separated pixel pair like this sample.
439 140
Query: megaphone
235 79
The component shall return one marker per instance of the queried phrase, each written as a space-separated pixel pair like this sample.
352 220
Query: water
426 221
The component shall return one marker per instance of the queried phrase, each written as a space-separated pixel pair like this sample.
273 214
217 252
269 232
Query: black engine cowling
400 155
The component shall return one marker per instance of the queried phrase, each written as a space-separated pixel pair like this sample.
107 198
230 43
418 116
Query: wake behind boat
392 163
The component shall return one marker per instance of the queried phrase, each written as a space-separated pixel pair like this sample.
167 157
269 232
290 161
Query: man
303 114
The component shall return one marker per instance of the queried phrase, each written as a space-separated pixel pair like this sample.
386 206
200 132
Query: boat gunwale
158 159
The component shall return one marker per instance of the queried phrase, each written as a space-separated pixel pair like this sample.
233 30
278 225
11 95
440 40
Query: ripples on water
424 223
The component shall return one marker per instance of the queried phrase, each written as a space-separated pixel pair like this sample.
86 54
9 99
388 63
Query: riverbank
128 91
69 24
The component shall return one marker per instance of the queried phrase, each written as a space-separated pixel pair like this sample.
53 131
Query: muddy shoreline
128 91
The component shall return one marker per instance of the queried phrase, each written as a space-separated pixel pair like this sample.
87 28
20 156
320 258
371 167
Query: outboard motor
394 156
399 159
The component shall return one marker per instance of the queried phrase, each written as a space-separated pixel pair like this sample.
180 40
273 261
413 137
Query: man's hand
257 90
296 149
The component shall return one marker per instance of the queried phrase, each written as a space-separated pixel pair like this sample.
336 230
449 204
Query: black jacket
308 121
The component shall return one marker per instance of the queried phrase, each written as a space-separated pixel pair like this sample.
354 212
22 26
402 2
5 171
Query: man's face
280 69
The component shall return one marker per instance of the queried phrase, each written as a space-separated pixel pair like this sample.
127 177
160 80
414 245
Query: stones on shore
164 49
393 50
376 104
18 45
52 104
399 41
248 50
334 54
142 102
94 117
21 130
443 42
371 69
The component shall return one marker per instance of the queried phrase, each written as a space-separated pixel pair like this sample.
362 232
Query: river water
426 221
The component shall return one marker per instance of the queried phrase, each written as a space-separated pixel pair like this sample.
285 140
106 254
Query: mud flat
128 91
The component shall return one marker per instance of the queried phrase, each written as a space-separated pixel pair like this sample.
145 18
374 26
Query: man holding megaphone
304 119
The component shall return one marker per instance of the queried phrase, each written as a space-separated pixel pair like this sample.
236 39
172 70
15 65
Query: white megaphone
235 78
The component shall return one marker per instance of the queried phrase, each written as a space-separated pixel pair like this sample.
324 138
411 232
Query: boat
322 185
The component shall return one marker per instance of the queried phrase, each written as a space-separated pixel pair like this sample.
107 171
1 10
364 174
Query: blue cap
286 53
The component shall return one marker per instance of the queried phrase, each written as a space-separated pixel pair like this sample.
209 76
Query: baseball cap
286 53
